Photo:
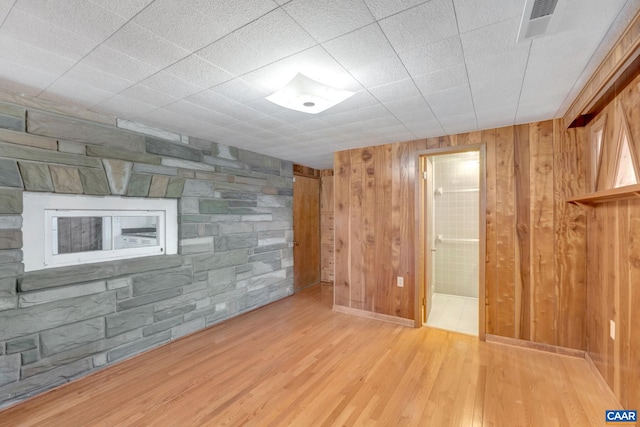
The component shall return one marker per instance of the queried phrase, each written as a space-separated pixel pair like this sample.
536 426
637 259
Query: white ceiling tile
454 101
70 92
326 19
211 100
380 73
4 10
496 92
425 129
229 15
170 85
533 110
395 91
442 79
264 106
31 56
508 65
497 117
360 48
424 115
474 14
77 16
270 123
125 8
243 113
199 72
32 81
367 113
459 123
148 96
97 78
117 63
383 8
491 40
406 105
359 100
145 46
123 107
422 25
239 90
233 55
275 35
308 125
183 25
434 56
44 35
197 112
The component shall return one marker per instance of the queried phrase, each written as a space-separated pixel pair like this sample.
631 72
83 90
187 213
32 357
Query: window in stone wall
62 230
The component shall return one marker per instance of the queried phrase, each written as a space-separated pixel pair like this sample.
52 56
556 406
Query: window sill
613 195
53 277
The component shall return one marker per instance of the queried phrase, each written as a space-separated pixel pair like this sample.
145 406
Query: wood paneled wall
326 226
613 263
535 245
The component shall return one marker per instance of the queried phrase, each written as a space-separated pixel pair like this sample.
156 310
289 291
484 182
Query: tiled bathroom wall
456 211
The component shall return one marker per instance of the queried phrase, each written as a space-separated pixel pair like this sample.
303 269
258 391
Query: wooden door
306 232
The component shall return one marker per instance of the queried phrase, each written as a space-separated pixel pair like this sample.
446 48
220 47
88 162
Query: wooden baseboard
536 346
376 316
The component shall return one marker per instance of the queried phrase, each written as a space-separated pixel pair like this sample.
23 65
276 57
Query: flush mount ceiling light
307 95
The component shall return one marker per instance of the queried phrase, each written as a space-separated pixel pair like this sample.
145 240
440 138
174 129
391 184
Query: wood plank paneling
356 262
326 226
384 188
505 233
491 264
342 229
523 225
524 296
544 292
570 228
613 268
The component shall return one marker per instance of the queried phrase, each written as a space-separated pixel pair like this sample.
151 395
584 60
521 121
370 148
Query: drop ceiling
203 68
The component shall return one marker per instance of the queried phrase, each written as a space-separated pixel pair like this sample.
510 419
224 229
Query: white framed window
61 230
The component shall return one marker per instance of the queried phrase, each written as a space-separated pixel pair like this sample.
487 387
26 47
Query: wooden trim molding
309 172
612 195
376 316
535 346
622 56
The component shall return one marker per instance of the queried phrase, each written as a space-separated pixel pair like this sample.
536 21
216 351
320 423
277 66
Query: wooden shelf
613 195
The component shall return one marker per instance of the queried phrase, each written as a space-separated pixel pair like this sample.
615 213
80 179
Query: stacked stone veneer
235 226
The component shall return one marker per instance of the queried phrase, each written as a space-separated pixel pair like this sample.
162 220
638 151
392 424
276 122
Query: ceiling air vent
537 17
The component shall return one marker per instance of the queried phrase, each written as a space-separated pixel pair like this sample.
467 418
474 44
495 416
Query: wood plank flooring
296 362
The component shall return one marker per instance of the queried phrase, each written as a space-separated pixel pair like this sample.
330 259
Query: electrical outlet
612 329
400 281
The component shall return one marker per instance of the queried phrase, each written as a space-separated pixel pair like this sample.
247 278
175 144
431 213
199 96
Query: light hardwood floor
295 362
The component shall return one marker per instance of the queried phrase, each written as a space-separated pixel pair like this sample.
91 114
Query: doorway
306 232
453 229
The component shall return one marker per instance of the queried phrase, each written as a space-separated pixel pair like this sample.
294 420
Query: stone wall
235 230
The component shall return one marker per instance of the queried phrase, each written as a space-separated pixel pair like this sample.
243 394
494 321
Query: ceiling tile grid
418 68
